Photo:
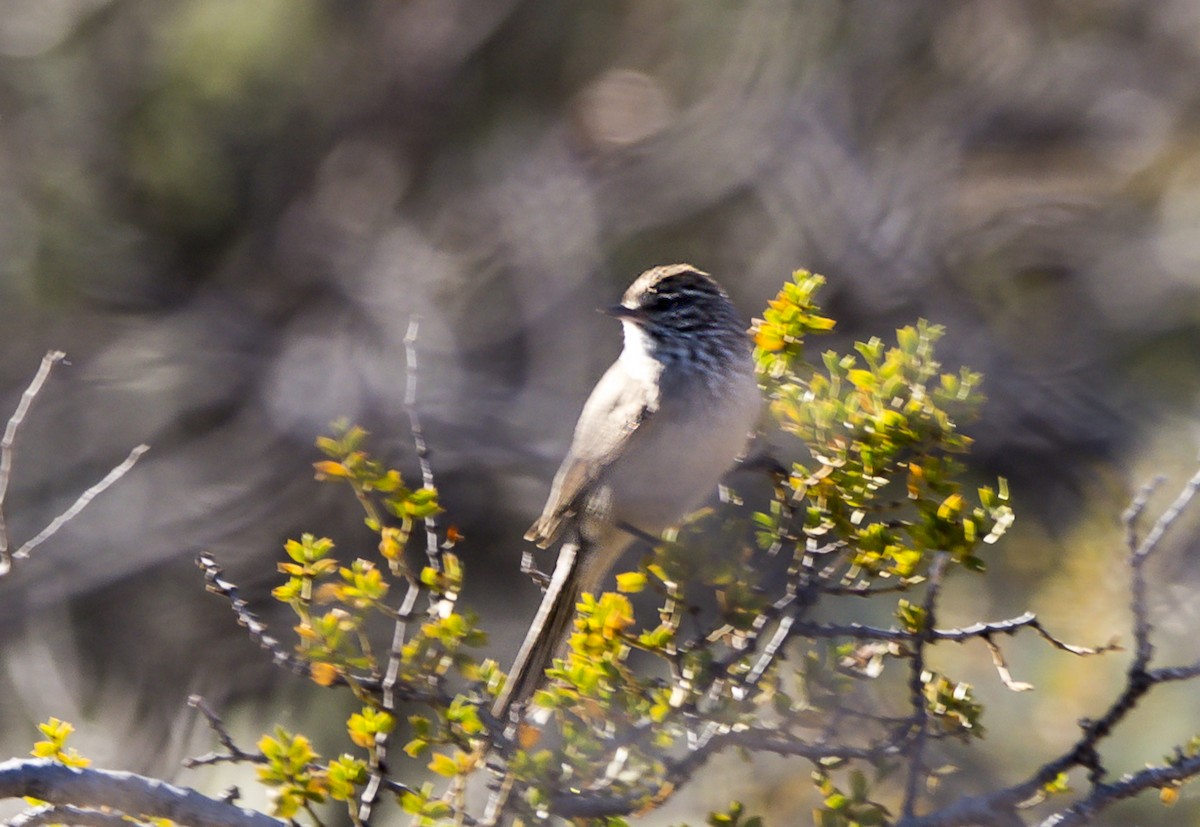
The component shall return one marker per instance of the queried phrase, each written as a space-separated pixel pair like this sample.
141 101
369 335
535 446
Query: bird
671 415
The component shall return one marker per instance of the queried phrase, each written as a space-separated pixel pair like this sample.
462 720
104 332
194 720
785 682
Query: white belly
676 464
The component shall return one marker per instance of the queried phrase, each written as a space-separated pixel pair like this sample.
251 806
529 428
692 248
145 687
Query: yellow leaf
329 468
950 506
324 674
443 765
631 582
528 736
366 740
328 593
768 340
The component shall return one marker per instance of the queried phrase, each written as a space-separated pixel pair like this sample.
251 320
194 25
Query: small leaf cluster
291 772
291 768
847 808
884 420
952 705
735 816
55 733
381 490
789 318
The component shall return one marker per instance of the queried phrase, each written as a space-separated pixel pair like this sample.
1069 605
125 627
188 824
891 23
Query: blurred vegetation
226 213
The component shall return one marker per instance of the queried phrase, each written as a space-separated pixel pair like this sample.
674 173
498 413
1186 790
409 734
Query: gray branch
126 792
77 816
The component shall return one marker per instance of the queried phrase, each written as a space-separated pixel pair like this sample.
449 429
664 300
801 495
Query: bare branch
584 805
233 754
1136 506
1167 674
51 359
1131 784
1138 556
84 499
124 792
418 435
45 816
216 583
1002 668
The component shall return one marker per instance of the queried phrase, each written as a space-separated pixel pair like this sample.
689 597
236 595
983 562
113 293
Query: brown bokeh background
227 213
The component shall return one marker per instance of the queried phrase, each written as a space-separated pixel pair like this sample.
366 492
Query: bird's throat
637 354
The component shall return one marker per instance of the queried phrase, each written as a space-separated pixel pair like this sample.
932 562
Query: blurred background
228 212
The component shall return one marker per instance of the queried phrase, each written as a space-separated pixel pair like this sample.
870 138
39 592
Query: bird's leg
535 574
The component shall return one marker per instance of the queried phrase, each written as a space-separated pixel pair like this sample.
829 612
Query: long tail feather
548 634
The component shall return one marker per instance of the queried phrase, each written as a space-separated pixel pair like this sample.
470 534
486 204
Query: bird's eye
662 301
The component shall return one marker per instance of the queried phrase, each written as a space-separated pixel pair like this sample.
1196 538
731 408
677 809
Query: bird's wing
618 408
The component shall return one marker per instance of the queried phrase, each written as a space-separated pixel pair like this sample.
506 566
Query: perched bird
662 425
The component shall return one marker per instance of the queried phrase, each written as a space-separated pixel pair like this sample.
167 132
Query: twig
1104 795
916 686
1009 626
370 793
1136 506
233 754
574 804
418 435
215 582
1002 668
84 499
51 359
1138 556
440 604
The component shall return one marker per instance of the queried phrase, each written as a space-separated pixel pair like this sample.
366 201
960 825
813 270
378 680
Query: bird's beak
620 311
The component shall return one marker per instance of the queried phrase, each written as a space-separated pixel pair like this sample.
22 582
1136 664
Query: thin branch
1002 668
916 686
1138 556
51 359
370 793
234 753
1136 506
418 435
216 583
84 499
574 804
441 604
1166 674
1130 784
125 792
215 723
